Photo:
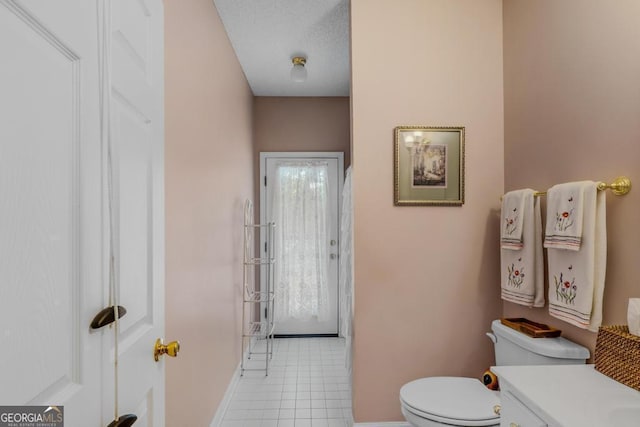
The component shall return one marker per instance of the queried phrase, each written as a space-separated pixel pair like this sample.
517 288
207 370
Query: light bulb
298 71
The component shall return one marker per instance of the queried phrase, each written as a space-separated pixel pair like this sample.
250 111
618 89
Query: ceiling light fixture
298 71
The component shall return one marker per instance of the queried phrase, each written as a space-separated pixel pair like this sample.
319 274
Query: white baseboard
389 424
226 399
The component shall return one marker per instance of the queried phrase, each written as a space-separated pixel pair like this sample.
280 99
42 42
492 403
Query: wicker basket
618 355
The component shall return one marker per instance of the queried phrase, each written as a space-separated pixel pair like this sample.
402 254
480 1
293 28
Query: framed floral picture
428 166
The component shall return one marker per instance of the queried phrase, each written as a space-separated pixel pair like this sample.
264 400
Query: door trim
264 155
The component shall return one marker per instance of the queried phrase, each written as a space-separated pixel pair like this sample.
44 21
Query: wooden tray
533 329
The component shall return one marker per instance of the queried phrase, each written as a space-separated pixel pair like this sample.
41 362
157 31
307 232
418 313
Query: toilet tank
515 348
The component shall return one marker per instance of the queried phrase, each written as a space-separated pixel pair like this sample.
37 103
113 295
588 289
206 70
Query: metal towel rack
620 186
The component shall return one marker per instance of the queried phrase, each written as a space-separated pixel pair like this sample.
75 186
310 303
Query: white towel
512 219
576 278
565 212
522 271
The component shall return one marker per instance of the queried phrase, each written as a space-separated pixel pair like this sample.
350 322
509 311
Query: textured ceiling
266 34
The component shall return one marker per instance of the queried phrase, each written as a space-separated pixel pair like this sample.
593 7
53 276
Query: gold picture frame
428 166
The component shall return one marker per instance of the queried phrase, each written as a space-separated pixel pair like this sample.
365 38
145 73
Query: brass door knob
171 349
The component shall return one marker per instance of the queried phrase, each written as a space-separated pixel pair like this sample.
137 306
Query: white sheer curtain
300 210
346 267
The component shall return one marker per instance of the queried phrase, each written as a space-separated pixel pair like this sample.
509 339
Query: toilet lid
452 398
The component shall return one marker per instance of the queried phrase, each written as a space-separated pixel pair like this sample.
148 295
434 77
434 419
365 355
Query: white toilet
456 401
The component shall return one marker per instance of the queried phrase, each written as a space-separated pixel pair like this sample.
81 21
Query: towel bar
620 186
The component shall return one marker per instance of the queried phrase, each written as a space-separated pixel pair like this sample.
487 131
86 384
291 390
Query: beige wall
208 175
572 104
301 124
426 278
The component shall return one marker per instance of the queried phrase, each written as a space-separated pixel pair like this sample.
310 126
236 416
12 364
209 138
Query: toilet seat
451 400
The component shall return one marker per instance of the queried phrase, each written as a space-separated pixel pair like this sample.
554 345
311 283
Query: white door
53 211
50 217
270 164
135 89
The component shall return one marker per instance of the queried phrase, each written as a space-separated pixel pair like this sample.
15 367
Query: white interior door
268 165
50 207
53 210
135 43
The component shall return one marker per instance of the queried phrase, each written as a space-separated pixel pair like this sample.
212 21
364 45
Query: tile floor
307 386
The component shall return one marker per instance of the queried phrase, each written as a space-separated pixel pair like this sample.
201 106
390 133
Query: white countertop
572 395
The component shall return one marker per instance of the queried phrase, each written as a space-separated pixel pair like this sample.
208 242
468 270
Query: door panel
133 161
41 246
137 135
49 214
335 162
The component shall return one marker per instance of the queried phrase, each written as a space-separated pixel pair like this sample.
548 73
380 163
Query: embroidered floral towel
522 271
565 209
512 215
576 277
